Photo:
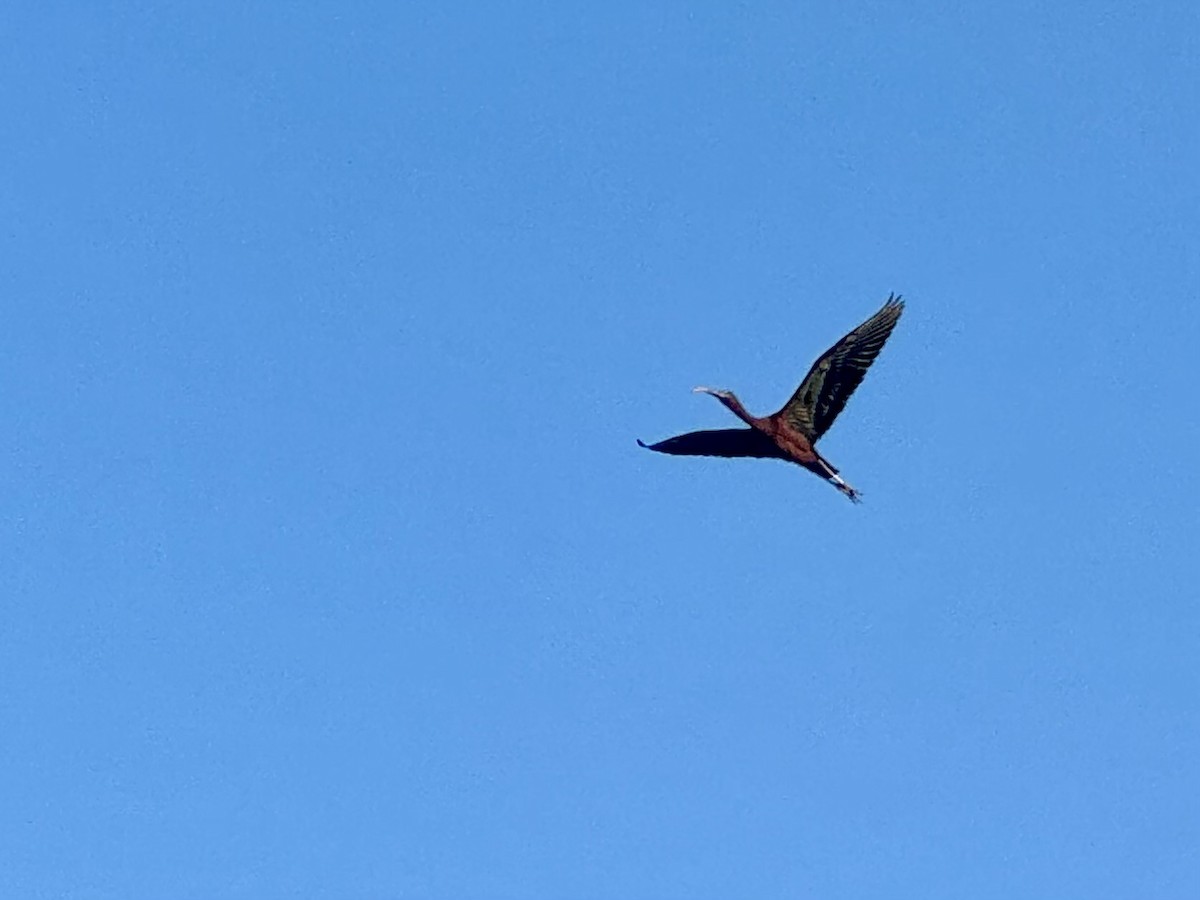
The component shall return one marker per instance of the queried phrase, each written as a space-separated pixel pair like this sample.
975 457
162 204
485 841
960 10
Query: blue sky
329 566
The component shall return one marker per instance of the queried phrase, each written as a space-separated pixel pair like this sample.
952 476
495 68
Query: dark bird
792 433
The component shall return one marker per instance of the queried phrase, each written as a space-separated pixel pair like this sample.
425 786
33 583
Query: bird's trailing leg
830 474
854 494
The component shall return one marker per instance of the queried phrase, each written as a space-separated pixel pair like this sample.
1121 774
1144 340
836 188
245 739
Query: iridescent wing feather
721 442
832 379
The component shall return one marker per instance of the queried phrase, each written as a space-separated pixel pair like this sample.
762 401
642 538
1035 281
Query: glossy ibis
792 433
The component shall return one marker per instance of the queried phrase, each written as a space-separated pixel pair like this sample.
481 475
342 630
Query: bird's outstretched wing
721 442
832 379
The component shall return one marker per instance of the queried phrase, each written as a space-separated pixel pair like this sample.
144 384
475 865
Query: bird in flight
792 433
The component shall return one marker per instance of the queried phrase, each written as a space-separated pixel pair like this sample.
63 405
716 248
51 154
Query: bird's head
727 397
723 396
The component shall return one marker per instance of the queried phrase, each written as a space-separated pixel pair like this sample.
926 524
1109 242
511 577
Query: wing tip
641 443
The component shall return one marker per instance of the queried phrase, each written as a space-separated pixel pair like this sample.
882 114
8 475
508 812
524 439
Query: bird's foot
854 494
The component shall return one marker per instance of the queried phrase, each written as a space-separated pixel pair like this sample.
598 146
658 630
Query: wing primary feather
728 442
823 393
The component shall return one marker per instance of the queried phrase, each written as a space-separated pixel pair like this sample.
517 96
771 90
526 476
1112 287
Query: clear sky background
330 567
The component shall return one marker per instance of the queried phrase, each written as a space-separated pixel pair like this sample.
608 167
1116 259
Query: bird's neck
735 406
